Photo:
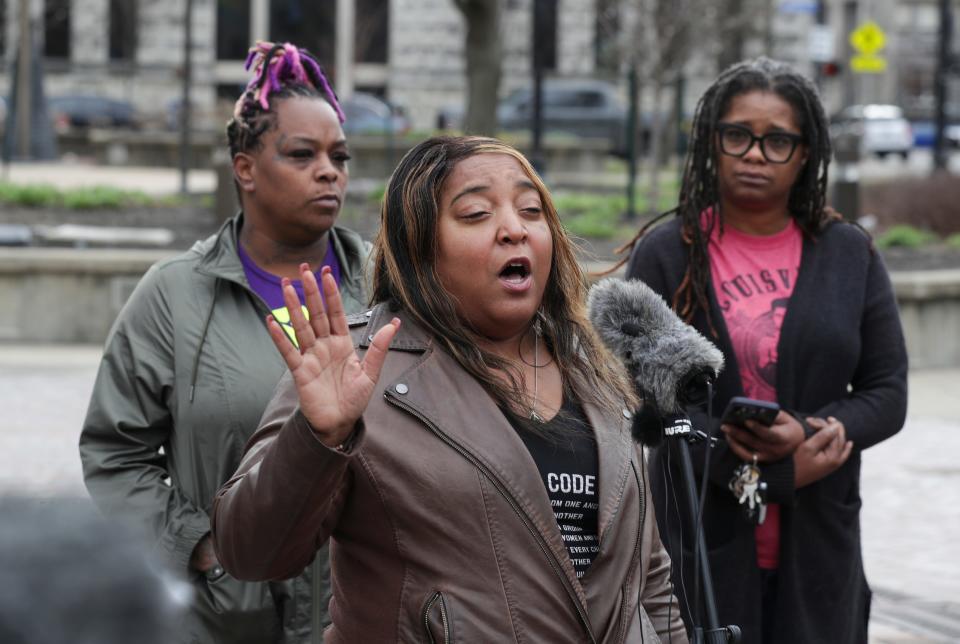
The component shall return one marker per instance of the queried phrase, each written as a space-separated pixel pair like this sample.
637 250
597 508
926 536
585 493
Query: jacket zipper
551 558
636 554
443 617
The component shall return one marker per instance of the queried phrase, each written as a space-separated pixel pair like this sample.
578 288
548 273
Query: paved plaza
911 483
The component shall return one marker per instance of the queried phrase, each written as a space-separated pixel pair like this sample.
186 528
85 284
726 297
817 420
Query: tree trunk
483 57
733 33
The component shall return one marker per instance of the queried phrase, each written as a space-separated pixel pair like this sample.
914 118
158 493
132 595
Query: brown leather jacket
439 523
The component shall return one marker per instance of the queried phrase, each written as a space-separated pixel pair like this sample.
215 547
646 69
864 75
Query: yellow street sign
864 64
868 38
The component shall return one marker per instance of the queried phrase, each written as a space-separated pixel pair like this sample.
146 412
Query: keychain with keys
750 491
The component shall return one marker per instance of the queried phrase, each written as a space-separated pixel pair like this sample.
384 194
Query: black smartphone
741 409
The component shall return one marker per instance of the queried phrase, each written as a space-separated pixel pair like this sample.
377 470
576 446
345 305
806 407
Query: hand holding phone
774 437
741 409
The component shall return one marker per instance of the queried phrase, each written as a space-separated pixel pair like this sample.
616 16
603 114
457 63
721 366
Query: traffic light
830 69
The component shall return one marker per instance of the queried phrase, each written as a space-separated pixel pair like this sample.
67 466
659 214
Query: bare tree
732 32
484 53
659 39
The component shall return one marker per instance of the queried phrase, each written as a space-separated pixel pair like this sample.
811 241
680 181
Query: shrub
93 198
953 241
928 203
31 196
89 198
377 192
905 236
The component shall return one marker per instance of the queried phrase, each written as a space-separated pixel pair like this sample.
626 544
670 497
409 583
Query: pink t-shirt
753 278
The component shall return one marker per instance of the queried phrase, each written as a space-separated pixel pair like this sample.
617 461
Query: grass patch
376 193
905 236
953 241
90 198
602 216
592 225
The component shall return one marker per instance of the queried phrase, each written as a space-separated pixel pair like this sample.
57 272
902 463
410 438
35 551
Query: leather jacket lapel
614 451
455 407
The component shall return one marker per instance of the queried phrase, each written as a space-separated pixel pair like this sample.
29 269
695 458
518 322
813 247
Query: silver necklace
534 416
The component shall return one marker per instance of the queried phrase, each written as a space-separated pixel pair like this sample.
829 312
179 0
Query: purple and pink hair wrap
276 65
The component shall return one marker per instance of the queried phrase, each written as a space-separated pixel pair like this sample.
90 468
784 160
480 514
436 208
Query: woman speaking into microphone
464 446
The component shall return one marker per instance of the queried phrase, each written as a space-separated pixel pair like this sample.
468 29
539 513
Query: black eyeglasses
776 147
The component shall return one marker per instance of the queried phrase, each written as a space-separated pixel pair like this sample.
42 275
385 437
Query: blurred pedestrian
69 575
189 365
802 308
483 487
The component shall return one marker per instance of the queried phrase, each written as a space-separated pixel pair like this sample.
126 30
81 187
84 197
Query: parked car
369 114
924 133
83 111
586 108
882 129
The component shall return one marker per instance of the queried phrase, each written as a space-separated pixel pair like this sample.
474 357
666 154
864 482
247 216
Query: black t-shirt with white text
566 455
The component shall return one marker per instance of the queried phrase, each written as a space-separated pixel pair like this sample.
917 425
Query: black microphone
670 362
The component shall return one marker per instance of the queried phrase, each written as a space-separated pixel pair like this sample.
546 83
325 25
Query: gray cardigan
841 353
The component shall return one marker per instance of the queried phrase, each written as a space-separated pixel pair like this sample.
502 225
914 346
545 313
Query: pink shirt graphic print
753 278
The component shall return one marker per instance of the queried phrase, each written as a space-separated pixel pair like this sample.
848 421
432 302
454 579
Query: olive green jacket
187 371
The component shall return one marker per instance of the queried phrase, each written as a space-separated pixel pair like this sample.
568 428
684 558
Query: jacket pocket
436 620
245 611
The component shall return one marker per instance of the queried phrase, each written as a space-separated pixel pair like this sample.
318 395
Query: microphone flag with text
670 362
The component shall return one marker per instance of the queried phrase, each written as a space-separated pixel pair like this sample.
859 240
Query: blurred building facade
411 51
910 30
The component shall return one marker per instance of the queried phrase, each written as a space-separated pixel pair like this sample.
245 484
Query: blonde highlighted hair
405 275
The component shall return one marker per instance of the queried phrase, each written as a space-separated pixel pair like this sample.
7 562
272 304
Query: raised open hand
333 384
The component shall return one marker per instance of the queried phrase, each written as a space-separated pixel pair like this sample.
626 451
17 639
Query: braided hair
699 190
279 71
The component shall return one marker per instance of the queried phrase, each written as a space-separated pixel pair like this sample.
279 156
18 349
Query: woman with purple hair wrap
189 366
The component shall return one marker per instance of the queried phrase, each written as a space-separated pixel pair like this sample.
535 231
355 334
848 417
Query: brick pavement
911 525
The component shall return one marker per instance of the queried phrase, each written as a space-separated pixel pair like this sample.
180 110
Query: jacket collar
220 258
438 390
218 253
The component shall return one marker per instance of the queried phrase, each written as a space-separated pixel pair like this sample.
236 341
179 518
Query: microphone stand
680 433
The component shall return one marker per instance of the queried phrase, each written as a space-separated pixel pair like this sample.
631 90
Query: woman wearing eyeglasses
801 305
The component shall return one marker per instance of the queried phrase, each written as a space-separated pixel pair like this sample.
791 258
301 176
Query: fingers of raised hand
377 353
291 355
336 315
301 327
319 326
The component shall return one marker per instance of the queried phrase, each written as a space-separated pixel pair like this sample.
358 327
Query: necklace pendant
535 417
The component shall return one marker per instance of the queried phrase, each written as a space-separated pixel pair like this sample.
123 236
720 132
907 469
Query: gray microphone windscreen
662 353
